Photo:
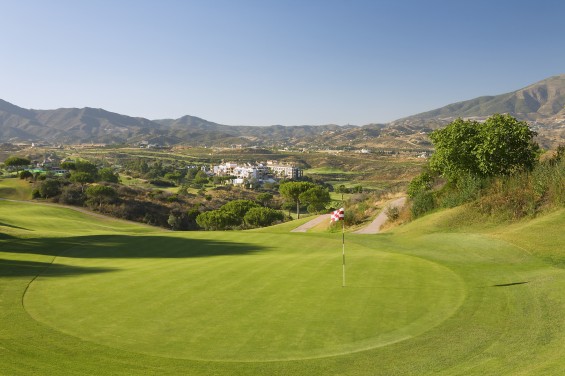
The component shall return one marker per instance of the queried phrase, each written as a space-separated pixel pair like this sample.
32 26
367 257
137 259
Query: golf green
211 296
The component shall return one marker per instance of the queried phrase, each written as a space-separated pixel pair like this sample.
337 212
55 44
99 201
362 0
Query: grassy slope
15 189
112 273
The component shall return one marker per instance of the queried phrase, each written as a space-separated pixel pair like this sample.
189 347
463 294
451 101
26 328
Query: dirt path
314 222
375 226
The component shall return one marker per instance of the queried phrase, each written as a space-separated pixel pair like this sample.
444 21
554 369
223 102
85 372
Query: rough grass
80 295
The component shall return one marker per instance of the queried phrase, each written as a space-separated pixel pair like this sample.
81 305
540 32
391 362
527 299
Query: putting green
233 297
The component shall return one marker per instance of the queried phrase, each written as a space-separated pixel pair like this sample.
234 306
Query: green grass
84 295
15 189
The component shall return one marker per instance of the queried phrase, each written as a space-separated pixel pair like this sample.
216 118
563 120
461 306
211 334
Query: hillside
86 125
542 104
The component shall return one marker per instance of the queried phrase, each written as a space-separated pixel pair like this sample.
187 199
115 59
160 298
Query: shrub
419 184
72 195
261 217
465 189
100 194
422 203
49 188
239 207
217 220
392 213
162 183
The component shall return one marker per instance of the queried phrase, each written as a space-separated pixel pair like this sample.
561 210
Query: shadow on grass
13 226
510 284
120 246
16 268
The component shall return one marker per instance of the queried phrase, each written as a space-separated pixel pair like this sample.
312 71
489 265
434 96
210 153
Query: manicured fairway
84 295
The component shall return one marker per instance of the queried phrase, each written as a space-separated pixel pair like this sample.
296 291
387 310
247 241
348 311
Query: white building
258 172
283 170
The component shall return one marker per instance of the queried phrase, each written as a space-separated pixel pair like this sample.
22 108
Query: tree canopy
316 197
292 190
100 193
261 216
108 175
17 162
499 146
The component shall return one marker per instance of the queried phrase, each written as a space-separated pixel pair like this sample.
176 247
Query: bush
162 183
422 203
261 217
26 175
217 220
72 195
49 188
419 184
239 207
100 194
465 189
392 213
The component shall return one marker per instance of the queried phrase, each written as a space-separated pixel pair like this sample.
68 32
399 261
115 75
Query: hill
86 125
542 104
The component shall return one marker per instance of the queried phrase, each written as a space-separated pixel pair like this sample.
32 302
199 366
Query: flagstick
343 250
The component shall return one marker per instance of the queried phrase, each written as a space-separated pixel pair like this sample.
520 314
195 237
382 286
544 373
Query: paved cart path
314 222
375 226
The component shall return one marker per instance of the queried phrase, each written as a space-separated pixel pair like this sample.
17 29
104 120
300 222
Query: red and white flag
338 215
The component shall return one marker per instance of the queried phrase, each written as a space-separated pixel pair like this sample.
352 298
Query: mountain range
541 104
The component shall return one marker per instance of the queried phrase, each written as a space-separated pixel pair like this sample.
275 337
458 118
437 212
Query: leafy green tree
200 178
454 149
316 198
175 176
26 175
176 219
341 189
261 217
289 206
499 146
82 178
108 175
239 208
86 166
264 198
292 190
506 146
99 194
49 188
217 220
421 183
72 195
17 162
69 165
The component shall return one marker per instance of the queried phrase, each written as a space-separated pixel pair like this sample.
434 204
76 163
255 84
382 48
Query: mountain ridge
542 104
538 102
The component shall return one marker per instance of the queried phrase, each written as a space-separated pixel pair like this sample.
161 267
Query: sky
265 62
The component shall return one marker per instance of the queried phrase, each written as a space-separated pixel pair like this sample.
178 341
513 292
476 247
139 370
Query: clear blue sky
264 62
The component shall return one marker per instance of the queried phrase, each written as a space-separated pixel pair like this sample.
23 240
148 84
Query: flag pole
343 251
